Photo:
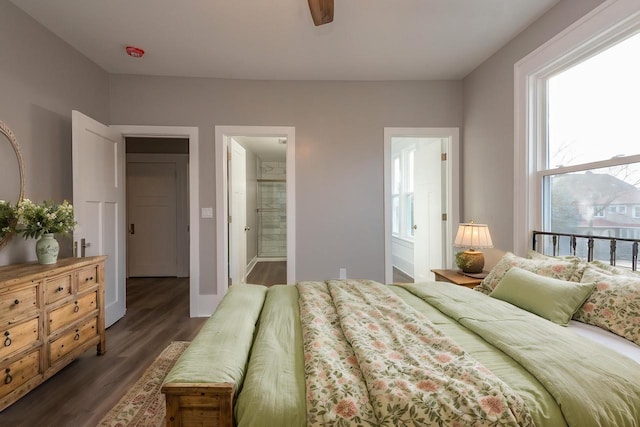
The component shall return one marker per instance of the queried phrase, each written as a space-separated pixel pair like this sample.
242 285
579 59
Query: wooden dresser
49 315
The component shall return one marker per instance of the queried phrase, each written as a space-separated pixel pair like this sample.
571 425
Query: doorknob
132 229
414 227
83 246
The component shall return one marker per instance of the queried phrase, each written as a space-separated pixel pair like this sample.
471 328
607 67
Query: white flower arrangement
35 220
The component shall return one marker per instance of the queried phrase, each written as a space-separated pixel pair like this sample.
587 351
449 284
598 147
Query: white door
98 199
152 222
238 213
428 227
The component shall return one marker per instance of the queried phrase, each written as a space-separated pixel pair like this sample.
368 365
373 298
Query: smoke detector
134 52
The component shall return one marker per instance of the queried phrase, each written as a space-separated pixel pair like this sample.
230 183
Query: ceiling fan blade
321 11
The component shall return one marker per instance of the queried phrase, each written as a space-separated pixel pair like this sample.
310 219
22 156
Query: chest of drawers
49 315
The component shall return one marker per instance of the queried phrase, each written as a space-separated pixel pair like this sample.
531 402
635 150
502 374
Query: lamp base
470 261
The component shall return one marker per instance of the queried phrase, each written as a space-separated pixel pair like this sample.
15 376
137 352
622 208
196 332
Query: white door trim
452 136
223 133
199 305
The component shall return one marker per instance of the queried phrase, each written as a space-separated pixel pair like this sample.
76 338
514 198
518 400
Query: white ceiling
276 39
266 147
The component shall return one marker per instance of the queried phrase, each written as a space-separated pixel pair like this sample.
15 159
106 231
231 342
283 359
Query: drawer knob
76 336
88 279
60 289
8 378
16 302
76 308
7 340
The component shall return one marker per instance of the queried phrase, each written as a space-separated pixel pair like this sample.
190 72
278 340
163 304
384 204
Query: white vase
47 249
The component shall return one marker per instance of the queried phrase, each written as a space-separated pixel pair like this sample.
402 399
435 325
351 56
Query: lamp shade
472 235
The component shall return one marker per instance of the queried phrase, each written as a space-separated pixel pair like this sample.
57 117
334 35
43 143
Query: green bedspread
598 388
273 393
533 356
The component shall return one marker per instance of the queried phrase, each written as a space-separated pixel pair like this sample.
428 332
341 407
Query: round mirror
12 182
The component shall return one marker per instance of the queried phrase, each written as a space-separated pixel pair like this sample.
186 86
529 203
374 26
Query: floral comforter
371 359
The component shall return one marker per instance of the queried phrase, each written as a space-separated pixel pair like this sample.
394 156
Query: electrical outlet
343 273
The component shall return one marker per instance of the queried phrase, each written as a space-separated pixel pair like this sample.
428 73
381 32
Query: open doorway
86 132
265 226
157 207
421 208
263 190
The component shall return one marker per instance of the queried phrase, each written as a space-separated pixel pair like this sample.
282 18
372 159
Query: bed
355 352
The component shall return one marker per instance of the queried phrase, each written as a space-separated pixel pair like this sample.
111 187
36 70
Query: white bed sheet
606 338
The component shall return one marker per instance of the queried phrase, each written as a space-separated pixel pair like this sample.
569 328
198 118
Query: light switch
207 212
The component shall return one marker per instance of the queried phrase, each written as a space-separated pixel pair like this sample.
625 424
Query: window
591 108
598 211
636 211
619 209
395 196
402 218
576 109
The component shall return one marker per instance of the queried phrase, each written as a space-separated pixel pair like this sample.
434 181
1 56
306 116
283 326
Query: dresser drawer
88 277
16 303
19 372
71 312
57 288
17 337
73 339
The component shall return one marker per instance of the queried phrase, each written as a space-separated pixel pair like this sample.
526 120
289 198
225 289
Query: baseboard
266 259
250 266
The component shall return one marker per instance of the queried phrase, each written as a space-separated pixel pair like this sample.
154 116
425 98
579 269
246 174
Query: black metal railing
630 254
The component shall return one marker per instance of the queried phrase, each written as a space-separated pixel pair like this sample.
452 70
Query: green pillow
554 299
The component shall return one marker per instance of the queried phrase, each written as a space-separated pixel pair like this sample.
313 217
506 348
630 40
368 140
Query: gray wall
41 80
488 127
339 152
338 134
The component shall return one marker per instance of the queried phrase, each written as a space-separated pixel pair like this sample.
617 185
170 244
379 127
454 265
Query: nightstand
454 276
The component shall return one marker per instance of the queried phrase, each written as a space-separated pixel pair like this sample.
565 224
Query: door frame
452 137
223 134
199 305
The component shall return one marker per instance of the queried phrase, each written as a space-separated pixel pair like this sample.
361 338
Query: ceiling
276 39
267 148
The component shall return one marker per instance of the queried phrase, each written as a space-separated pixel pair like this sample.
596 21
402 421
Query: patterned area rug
143 405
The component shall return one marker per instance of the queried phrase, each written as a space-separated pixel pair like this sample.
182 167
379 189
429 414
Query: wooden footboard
199 404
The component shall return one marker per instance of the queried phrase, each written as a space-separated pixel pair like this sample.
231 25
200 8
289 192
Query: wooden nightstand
454 276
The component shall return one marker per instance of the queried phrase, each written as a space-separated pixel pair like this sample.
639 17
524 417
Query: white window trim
404 226
611 21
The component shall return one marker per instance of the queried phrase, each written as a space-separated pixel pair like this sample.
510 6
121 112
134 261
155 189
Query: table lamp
472 236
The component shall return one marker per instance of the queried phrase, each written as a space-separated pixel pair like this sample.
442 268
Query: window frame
404 195
606 25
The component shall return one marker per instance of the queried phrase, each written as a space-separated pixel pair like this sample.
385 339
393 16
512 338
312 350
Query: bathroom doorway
263 231
259 171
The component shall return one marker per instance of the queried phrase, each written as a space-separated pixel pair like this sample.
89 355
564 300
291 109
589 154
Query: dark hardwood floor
268 273
80 394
